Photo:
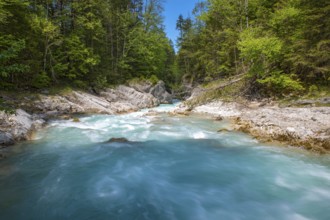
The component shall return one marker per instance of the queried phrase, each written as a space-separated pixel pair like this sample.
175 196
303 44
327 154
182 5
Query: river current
172 168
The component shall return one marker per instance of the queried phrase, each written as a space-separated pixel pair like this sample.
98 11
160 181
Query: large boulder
110 101
90 103
142 86
118 140
6 139
131 97
17 127
56 105
160 93
22 125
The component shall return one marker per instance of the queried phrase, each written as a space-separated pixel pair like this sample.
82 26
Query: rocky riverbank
34 110
306 127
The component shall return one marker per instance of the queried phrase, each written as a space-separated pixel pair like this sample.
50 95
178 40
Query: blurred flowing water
172 168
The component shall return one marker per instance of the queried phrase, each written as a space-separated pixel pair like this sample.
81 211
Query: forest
280 47
85 43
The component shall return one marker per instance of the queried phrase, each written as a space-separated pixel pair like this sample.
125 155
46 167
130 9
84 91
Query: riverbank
306 127
31 111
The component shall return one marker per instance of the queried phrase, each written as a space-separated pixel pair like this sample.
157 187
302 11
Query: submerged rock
151 113
179 113
218 118
75 120
118 140
224 130
65 117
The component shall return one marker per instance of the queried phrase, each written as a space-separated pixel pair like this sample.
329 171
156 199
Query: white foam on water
319 173
199 135
296 216
94 136
283 182
178 179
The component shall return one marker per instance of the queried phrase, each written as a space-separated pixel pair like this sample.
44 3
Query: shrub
279 83
80 84
313 90
5 107
100 82
41 80
153 79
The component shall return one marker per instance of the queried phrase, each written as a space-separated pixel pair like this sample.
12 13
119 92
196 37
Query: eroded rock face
111 101
307 127
53 105
139 99
122 99
143 86
90 103
6 139
128 98
17 127
160 93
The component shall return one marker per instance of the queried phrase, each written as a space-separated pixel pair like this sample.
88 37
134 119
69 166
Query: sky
173 8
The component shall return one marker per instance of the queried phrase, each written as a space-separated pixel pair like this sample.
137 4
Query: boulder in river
218 118
160 93
6 139
223 130
76 120
130 97
118 140
17 127
158 90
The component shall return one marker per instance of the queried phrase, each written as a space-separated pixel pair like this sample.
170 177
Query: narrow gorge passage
170 168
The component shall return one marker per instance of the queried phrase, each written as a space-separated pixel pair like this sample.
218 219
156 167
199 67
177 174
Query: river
173 168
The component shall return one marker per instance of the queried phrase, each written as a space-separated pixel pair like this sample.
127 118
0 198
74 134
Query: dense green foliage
85 43
282 47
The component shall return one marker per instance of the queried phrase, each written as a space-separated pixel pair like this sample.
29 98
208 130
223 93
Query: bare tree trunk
51 66
235 53
45 54
112 49
247 12
72 16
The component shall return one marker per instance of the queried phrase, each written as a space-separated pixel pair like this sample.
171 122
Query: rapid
172 167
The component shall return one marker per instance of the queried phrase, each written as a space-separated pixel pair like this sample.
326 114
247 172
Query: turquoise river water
176 168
